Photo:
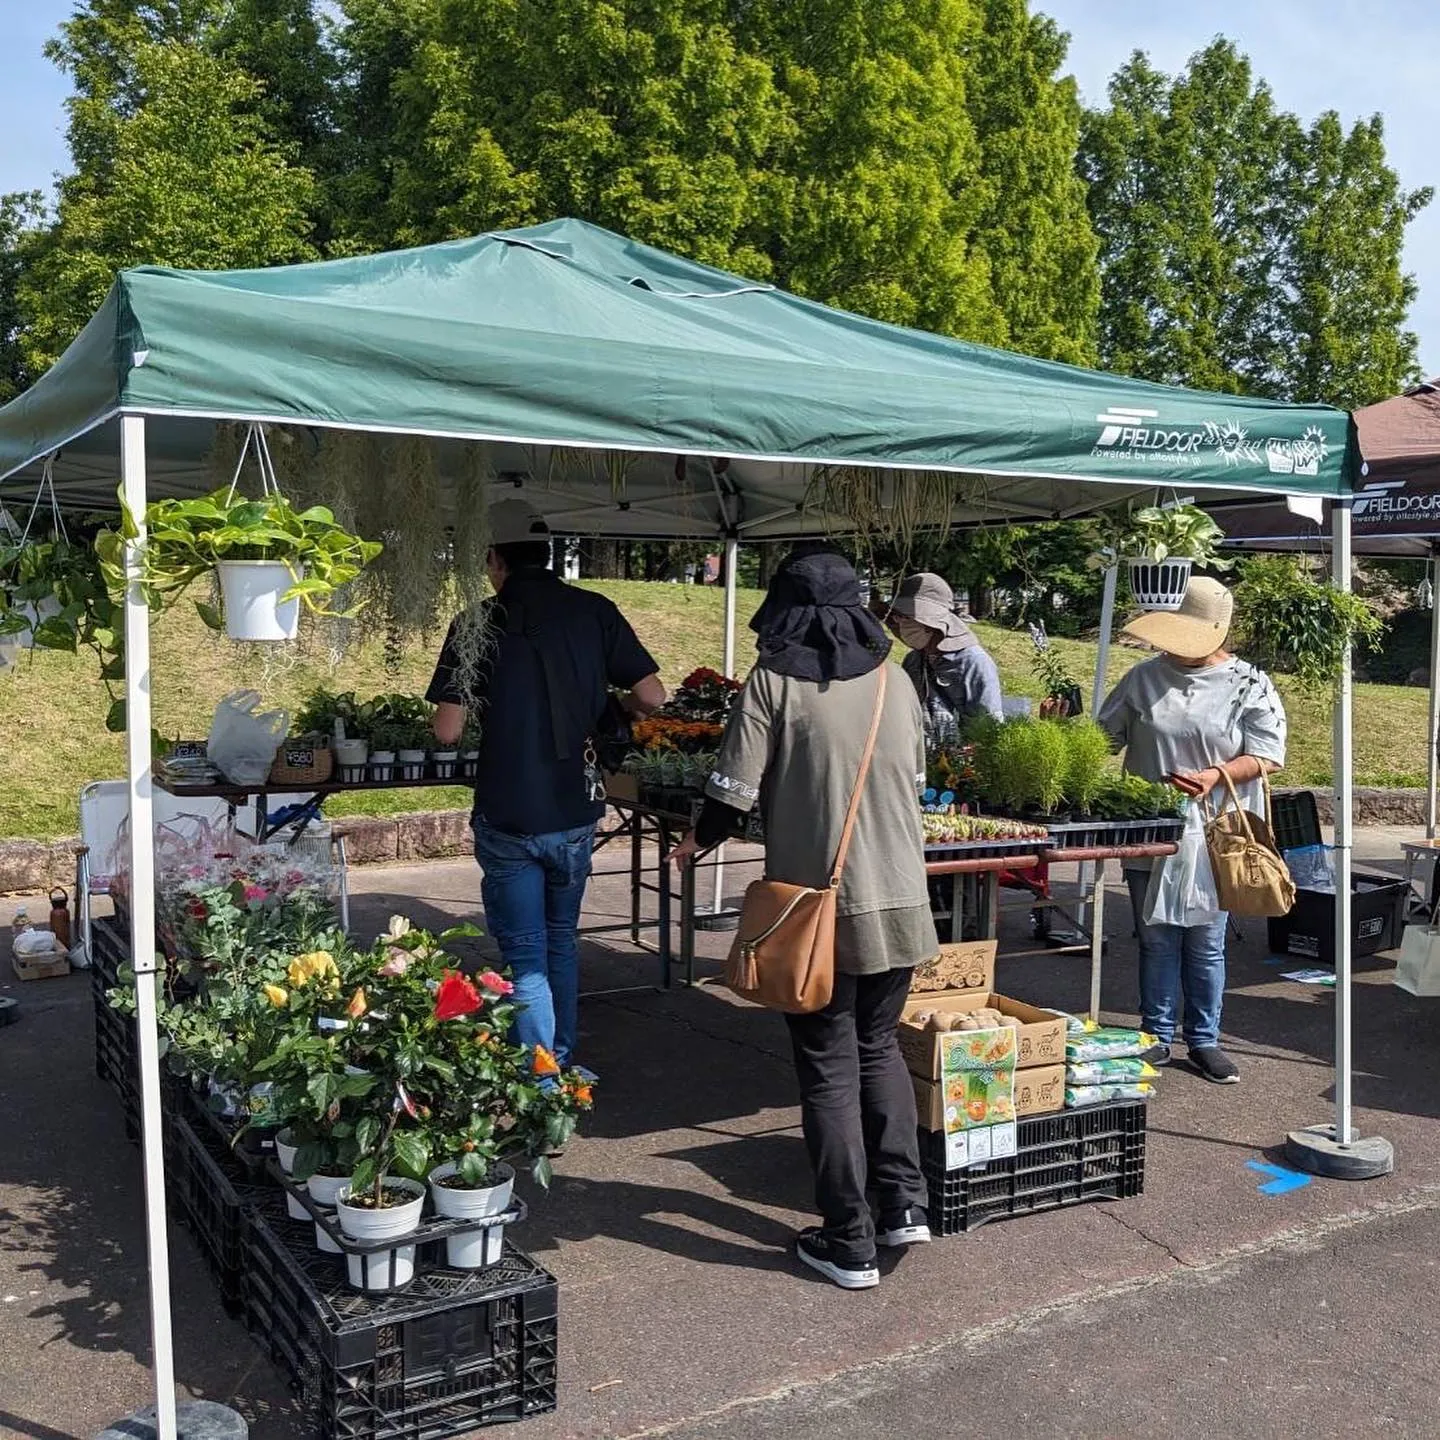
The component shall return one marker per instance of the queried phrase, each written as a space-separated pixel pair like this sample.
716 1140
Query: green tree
20 216
186 176
1034 228
1220 224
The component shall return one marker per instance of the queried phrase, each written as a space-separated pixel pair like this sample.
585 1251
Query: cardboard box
1042 1035
47 965
1038 1091
970 966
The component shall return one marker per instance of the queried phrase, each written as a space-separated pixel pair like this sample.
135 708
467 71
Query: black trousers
857 1108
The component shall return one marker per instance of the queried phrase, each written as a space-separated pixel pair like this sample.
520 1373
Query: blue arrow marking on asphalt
1284 1180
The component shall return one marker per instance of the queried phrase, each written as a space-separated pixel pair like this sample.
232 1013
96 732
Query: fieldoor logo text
1385 502
1130 434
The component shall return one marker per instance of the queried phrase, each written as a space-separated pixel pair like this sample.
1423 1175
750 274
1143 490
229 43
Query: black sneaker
1215 1065
814 1250
1158 1054
903 1227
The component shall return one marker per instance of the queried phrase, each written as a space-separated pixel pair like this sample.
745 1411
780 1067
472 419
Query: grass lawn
51 705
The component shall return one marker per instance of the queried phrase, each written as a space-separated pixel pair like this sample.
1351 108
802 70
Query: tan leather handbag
783 955
1251 875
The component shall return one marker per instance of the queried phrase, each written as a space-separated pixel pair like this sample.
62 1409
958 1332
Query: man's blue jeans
1175 958
533 886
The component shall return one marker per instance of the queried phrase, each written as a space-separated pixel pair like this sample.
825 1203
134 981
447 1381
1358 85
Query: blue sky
1354 56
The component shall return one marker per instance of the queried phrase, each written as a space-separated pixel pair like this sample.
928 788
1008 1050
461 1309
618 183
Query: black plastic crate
452 1352
1295 819
210 1192
1377 919
1097 1153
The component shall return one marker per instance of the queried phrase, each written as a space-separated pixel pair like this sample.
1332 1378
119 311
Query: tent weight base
1316 1152
727 917
194 1420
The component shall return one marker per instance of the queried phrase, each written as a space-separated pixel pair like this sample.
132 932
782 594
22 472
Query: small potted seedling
413 750
384 740
470 751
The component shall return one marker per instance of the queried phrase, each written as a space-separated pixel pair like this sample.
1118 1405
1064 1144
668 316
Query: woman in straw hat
1190 716
952 673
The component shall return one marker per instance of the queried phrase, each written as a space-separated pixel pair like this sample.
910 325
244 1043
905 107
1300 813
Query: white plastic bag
244 738
1182 886
1418 968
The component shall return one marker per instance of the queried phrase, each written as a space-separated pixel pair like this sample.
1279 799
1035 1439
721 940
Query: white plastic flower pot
480 1247
285 1154
445 762
412 764
382 765
469 764
1159 585
251 591
376 1270
37 614
325 1192
351 752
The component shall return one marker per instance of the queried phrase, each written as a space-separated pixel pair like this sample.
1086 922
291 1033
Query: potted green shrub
412 750
1087 758
269 558
385 741
470 750
1160 545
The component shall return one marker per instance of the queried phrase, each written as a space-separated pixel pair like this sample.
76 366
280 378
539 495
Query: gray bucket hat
928 600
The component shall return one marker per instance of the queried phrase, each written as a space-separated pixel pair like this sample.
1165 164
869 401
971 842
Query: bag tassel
743 973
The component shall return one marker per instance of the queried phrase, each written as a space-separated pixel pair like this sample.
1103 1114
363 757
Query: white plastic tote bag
1418 970
1182 886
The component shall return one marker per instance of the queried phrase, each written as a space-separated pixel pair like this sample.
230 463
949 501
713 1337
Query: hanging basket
251 590
1159 585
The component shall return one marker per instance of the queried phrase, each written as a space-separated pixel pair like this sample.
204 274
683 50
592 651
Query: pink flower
256 892
396 965
496 984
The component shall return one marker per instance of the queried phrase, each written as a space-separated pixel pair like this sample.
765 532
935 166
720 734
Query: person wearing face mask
1203 720
953 675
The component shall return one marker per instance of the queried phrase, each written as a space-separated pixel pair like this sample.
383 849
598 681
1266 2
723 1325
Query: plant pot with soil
388 1210
350 758
457 1198
325 1192
286 1149
445 763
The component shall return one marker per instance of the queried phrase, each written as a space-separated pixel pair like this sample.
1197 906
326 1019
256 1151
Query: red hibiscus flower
456 997
495 983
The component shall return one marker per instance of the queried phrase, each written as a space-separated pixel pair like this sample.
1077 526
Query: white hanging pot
375 1270
251 591
37 613
285 1153
479 1247
324 1191
1159 585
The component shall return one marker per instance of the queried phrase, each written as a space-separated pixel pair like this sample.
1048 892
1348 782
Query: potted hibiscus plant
510 1104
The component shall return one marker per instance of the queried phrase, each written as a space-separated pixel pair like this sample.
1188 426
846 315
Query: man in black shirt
553 654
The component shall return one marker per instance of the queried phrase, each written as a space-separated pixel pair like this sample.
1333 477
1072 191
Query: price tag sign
187 750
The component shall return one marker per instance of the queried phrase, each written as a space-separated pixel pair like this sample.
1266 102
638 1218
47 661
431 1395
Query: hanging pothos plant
1156 533
1288 620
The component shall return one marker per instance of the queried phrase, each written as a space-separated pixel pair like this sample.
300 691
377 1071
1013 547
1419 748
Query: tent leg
1335 1150
717 917
1107 624
1432 766
142 922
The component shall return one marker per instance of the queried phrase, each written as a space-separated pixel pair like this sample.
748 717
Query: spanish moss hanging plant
883 510
474 637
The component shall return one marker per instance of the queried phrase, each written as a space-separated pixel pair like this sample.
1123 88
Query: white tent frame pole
1107 624
1344 797
1432 760
732 564
142 922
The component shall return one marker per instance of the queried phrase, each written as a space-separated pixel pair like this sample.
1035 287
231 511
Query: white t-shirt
1171 717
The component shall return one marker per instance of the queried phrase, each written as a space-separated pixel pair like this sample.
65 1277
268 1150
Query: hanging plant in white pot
269 557
1160 545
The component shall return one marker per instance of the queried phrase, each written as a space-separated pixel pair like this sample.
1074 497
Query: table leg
1097 938
687 923
662 899
989 891
636 872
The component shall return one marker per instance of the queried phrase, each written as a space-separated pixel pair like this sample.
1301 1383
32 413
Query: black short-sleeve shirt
557 651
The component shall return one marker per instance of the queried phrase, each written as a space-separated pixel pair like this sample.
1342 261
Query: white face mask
912 632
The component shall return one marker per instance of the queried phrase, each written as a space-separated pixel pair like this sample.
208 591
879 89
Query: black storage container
1377 906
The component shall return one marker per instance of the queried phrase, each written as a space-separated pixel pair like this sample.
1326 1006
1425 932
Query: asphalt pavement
1217 1304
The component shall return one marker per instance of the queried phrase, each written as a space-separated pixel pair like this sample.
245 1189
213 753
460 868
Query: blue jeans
533 886
1175 958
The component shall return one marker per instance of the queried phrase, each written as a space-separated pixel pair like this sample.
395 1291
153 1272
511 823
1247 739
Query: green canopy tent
629 392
